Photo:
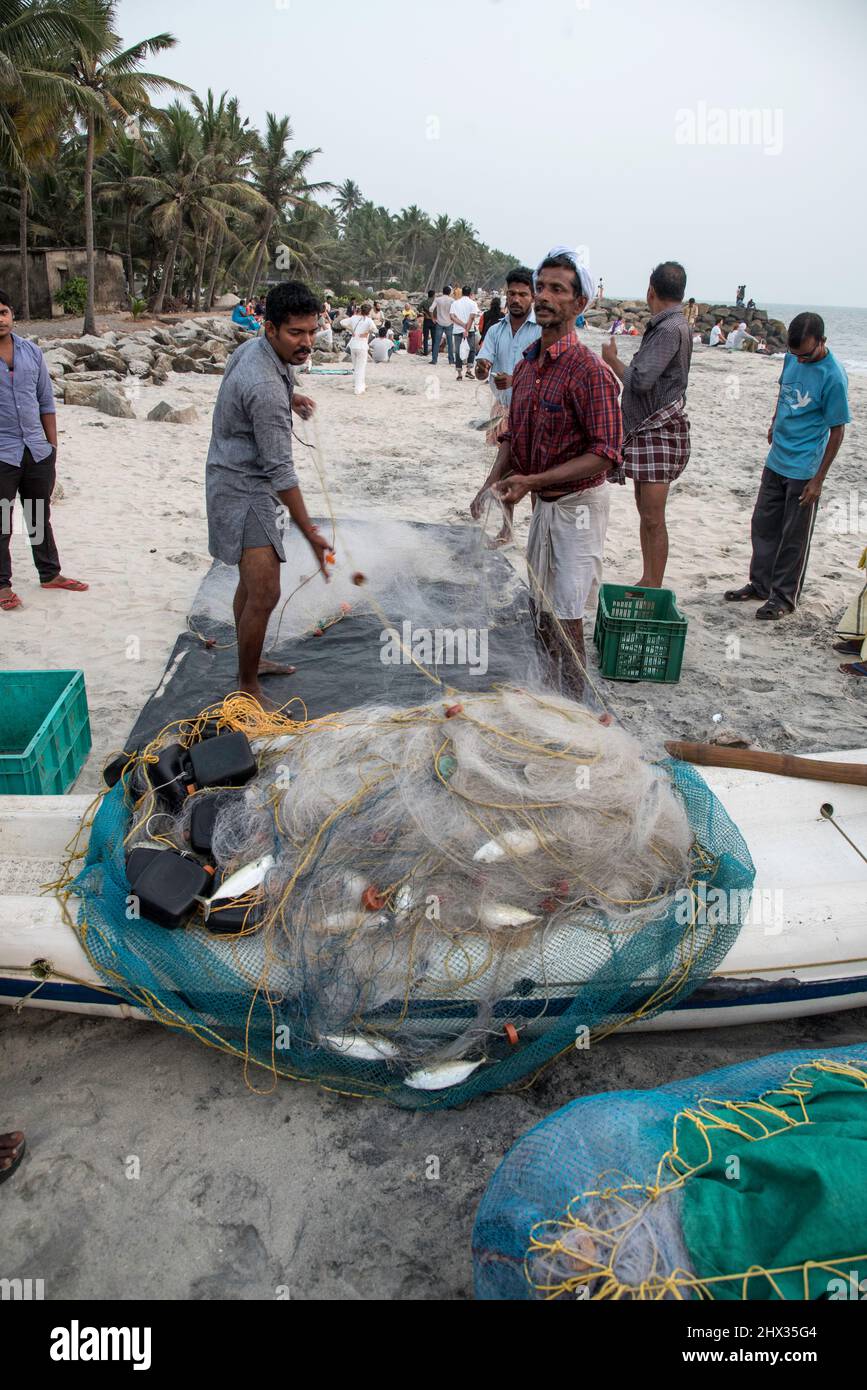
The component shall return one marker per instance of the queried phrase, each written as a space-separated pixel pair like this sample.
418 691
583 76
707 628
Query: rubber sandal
16 1163
743 595
9 601
854 668
848 647
75 585
771 612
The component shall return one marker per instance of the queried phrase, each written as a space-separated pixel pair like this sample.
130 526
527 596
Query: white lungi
358 353
565 548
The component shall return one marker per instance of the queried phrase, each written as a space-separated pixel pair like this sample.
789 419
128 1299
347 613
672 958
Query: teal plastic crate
44 731
640 634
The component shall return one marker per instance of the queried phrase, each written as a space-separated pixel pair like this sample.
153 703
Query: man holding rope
250 470
562 441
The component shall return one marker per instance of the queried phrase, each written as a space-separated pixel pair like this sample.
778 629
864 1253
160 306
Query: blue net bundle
571 1196
449 895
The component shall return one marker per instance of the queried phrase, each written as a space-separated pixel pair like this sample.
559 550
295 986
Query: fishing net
747 1182
437 899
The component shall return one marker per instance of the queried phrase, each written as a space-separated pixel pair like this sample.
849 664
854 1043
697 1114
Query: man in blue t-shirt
805 437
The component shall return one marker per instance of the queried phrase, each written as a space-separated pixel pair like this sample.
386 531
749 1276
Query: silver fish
241 882
512 842
357 1046
504 915
439 1077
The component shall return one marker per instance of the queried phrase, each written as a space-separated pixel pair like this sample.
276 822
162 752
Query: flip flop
75 585
854 668
8 601
743 595
15 1165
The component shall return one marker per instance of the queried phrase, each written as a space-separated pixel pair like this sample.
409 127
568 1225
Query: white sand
131 522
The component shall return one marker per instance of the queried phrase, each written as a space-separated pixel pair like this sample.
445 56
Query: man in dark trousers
805 435
249 470
655 425
28 456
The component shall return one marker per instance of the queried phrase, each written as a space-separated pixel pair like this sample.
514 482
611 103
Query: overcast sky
621 126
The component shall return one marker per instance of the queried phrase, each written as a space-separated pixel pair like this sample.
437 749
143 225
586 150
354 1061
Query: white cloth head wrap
587 285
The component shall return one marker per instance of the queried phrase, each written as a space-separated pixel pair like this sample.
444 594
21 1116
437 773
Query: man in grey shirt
250 470
655 425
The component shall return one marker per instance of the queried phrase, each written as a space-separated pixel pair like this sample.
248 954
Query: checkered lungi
658 450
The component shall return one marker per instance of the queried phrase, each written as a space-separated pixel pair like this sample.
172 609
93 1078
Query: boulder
198 351
62 358
139 367
171 415
106 360
54 368
113 403
84 346
181 363
81 392
131 352
160 336
159 376
226 301
212 368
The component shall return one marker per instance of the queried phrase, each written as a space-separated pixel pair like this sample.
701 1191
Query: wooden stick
782 764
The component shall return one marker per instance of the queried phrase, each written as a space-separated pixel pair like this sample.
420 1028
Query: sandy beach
241 1195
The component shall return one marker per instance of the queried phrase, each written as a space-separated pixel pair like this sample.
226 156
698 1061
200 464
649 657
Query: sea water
845 329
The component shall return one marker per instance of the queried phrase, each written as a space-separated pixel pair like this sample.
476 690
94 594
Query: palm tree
32 96
347 198
113 182
461 240
280 177
229 143
411 228
109 86
440 233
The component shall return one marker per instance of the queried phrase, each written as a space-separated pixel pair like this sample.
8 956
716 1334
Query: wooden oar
782 764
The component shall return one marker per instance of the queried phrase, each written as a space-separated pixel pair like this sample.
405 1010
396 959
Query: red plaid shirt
564 405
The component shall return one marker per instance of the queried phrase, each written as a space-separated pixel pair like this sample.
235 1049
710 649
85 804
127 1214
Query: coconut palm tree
229 143
411 228
113 178
347 198
279 175
109 87
440 237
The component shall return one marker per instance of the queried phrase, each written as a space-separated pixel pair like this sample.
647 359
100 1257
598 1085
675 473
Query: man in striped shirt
563 438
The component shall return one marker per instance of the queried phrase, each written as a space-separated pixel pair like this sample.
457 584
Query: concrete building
51 267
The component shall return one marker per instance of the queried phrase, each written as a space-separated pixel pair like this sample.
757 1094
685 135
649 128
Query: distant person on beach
250 470
742 289
504 346
428 321
805 436
465 316
565 463
361 328
655 424
717 335
690 313
599 291
492 315
442 315
739 340
383 346
243 319
28 458
751 304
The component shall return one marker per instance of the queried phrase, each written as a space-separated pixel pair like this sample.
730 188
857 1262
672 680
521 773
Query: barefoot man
28 458
250 470
562 441
656 428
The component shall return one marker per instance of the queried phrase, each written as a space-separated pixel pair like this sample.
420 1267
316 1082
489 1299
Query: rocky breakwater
635 311
81 368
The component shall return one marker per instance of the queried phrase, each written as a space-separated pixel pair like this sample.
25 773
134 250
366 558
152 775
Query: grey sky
571 121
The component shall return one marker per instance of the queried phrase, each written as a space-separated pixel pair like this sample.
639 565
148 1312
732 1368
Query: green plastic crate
44 731
640 634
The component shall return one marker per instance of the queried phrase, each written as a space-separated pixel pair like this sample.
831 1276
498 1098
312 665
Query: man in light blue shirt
503 347
28 454
805 436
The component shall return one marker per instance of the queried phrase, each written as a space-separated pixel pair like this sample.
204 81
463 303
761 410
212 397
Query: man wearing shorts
250 470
